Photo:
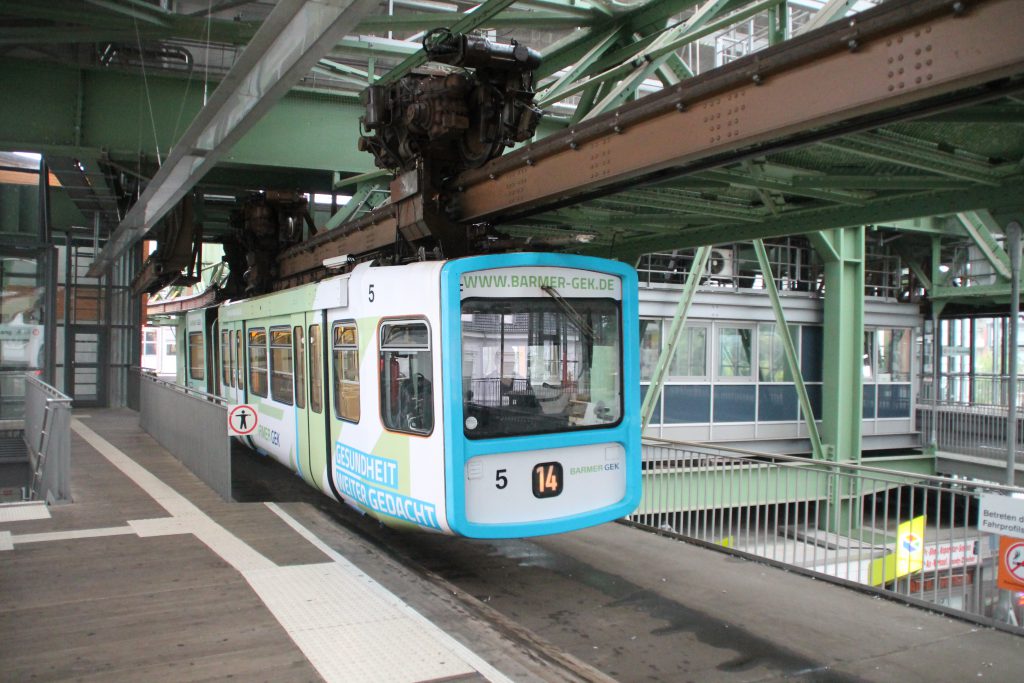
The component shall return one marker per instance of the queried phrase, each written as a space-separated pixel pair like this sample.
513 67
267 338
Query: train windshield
533 365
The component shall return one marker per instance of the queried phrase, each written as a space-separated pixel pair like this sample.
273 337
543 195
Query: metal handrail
55 395
807 462
188 391
47 436
845 523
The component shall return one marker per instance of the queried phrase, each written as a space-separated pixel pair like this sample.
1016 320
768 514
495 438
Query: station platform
149 575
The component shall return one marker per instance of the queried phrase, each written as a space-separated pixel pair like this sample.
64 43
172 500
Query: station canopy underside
106 90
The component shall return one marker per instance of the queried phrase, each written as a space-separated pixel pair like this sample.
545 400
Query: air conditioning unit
721 264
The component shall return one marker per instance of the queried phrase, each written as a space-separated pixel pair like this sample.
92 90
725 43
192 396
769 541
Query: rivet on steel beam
617 128
530 162
680 107
492 176
756 78
959 7
573 145
852 44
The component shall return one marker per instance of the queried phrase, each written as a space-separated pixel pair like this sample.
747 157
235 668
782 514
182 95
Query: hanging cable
206 60
145 85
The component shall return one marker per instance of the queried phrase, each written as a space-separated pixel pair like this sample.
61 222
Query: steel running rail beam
897 61
294 36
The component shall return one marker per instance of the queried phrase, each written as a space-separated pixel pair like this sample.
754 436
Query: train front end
542 393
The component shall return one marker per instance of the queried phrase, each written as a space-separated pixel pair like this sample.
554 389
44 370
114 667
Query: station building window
149 343
735 354
258 361
281 364
196 356
346 371
772 365
406 380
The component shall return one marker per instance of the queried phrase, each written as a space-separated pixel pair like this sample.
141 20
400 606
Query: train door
195 351
317 423
213 357
232 371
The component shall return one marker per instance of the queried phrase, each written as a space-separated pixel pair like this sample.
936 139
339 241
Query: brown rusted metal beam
879 66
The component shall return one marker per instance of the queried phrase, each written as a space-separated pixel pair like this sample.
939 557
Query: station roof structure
786 117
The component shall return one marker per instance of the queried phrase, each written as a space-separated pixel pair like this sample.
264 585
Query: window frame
750 378
316 378
299 366
150 339
383 363
691 379
272 365
250 365
339 351
225 358
191 357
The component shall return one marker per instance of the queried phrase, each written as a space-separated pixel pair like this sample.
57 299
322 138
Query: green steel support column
842 250
778 23
790 349
700 261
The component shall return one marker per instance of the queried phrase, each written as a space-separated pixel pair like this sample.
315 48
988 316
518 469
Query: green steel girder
984 113
877 182
693 278
52 105
980 226
802 221
833 10
649 17
792 360
369 48
110 25
553 92
483 15
427 20
767 180
631 65
912 261
917 154
649 48
695 489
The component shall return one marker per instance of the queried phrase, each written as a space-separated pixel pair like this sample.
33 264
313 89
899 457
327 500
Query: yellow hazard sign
908 557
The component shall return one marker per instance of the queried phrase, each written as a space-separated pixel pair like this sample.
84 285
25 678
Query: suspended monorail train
490 396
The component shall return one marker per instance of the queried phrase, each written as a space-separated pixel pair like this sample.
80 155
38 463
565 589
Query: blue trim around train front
459 449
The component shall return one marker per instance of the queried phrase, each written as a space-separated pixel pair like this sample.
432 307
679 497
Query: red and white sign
940 556
242 420
1011 564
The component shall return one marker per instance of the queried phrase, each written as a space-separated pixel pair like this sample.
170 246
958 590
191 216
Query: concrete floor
605 603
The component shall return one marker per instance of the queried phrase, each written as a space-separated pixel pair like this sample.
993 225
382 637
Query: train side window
281 364
258 361
300 367
406 379
232 358
240 361
346 371
316 390
196 356
225 359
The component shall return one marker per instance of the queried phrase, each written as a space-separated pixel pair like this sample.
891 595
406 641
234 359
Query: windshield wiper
573 314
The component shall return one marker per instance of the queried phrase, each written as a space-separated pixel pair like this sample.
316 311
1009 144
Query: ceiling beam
293 37
744 109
